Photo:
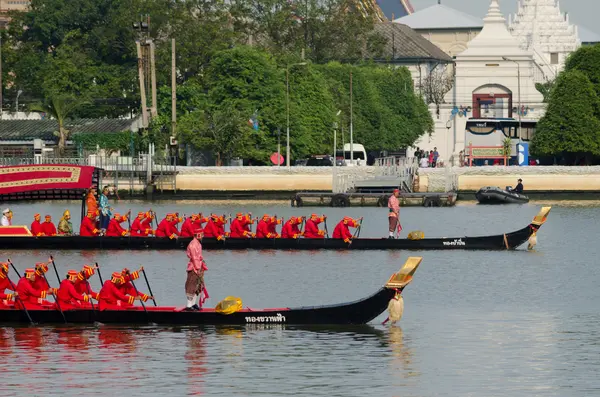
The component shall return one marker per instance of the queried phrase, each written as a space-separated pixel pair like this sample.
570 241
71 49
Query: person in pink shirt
194 284
394 213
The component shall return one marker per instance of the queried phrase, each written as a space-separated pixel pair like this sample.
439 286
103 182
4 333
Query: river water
513 323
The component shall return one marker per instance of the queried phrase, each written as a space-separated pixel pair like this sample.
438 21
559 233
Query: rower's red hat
87 271
141 213
29 272
36 216
72 274
4 266
48 217
265 216
41 265
239 214
117 277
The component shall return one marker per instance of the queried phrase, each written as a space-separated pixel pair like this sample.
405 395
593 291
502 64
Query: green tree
60 107
586 60
570 127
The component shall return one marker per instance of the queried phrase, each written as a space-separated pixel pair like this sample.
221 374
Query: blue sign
523 154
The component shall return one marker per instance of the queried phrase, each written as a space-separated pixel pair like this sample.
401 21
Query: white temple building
543 29
494 75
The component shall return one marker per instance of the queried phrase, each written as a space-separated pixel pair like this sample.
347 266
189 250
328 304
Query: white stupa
541 27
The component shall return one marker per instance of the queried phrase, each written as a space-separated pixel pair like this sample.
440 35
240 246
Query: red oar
14 287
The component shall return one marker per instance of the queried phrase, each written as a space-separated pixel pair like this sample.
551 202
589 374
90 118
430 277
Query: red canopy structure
47 182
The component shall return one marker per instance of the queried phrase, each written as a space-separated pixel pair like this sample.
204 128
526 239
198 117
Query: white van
359 154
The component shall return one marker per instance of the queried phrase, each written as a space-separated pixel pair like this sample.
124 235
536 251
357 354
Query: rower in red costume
342 229
68 297
31 296
264 230
40 282
36 226
197 224
48 227
312 227
147 224
240 226
111 296
127 286
136 225
82 285
114 226
291 228
176 220
88 225
187 228
215 228
166 229
5 284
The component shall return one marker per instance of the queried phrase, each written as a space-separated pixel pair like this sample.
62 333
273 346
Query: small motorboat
495 195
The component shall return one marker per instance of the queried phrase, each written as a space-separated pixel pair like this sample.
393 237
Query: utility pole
173 90
145 120
351 127
153 110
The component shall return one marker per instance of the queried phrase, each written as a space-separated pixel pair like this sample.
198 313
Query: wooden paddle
325 222
137 294
148 284
99 275
55 296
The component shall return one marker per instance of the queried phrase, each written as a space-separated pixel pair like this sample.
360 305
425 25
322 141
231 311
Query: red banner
6 231
27 178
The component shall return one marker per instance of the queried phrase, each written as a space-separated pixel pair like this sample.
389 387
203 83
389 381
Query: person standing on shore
194 284
394 213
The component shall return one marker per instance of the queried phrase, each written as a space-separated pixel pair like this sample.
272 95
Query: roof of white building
494 39
587 36
440 16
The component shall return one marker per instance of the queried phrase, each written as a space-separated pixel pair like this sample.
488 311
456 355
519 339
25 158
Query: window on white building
554 58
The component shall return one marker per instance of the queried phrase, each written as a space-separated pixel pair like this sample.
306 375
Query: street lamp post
17 101
519 90
287 103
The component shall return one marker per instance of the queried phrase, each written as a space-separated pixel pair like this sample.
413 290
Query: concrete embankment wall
535 179
294 179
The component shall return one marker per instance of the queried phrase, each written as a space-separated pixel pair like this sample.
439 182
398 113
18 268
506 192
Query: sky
581 12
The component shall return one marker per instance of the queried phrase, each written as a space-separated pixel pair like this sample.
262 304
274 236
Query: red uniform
146 226
215 228
115 229
188 227
30 295
88 227
291 229
262 229
240 227
68 297
84 287
48 228
342 229
136 227
166 229
36 228
312 229
40 283
5 284
112 298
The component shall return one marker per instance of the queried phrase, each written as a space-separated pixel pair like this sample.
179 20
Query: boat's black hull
495 195
358 312
498 242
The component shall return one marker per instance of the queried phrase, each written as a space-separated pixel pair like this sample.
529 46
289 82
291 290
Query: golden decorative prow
398 281
541 217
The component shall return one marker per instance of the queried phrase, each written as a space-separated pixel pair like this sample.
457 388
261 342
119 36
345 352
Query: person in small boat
31 296
88 225
240 226
342 229
111 295
36 226
65 227
312 227
91 202
394 213
195 289
291 229
215 228
82 285
114 226
5 284
136 225
192 225
519 187
146 224
7 216
48 227
267 227
166 229
40 282
67 297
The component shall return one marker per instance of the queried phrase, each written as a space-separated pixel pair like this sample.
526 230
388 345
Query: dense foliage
232 63
570 130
